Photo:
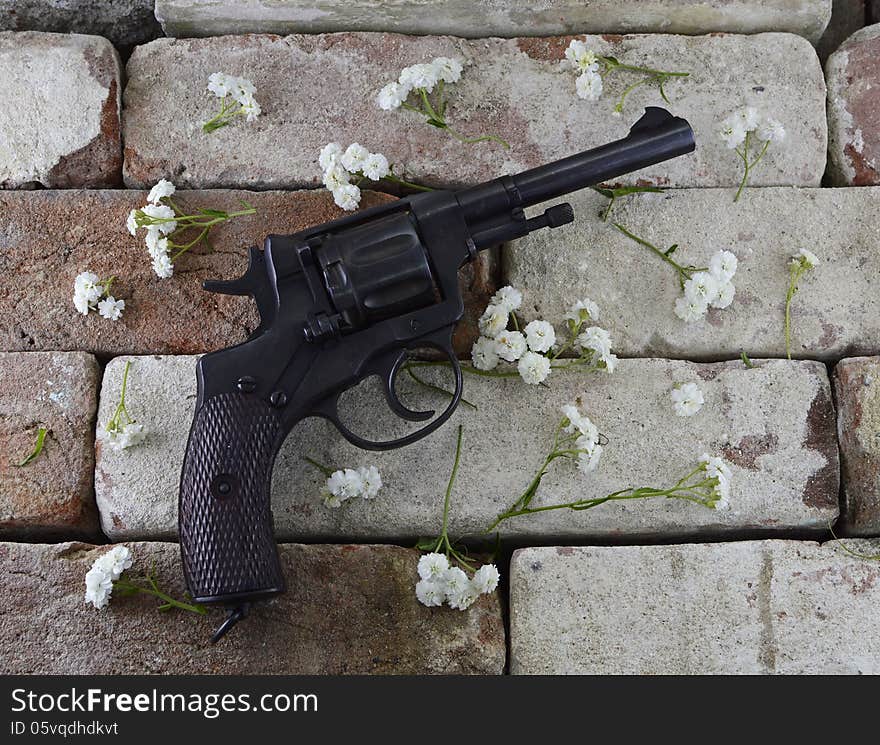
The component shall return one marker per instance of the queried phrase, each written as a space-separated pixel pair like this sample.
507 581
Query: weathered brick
49 237
835 313
68 135
347 610
774 424
857 387
504 18
314 89
853 73
52 496
752 607
847 17
123 22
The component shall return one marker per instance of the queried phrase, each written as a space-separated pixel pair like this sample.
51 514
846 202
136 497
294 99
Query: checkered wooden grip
225 520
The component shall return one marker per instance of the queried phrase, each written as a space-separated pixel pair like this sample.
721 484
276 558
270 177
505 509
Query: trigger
254 282
389 378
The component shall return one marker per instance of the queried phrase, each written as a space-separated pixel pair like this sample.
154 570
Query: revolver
339 303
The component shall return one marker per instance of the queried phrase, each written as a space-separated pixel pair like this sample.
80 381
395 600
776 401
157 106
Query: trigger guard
329 410
396 405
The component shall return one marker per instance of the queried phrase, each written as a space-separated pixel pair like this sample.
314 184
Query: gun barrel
656 137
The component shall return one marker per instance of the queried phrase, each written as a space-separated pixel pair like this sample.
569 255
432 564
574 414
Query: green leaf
671 250
426 544
38 448
207 212
746 361
623 191
436 123
608 193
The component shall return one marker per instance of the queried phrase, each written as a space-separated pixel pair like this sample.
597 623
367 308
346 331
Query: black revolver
338 303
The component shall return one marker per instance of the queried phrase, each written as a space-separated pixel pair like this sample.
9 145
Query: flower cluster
92 293
413 89
587 445
350 483
712 287
749 133
803 261
121 430
236 99
166 222
356 163
441 583
589 83
106 570
531 347
687 399
718 474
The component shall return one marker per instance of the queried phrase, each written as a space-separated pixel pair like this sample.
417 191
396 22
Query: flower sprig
803 261
420 84
122 430
589 84
355 164
613 194
749 132
92 293
440 580
236 99
108 574
347 483
708 484
167 223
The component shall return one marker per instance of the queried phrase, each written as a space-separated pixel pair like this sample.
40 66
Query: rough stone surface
347 610
47 238
853 73
63 129
847 17
836 312
857 387
52 495
774 424
751 607
505 18
124 22
314 89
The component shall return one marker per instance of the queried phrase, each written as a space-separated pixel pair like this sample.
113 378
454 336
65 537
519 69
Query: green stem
469 369
851 552
435 388
395 180
169 602
794 276
474 140
326 470
683 272
38 448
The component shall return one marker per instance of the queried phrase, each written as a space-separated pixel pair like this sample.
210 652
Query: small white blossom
354 157
483 354
588 460
579 422
687 399
220 84
723 266
581 56
433 567
250 108
126 436
589 85
330 154
156 246
345 484
371 480
725 296
106 569
540 336
510 345
447 69
462 599
750 117
161 190
392 96
162 266
86 291
807 258
508 298
111 308
430 593
595 339
347 196
336 176
376 166
701 287
162 212
717 469
690 309
732 131
485 579
533 368
422 76
131 222
770 130
243 89
494 320
582 311
455 581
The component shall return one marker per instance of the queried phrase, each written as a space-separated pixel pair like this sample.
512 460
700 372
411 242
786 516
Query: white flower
595 339
589 85
581 56
690 310
464 598
347 196
588 461
162 265
419 76
345 484
701 287
330 499
162 189
447 69
582 311
687 399
106 569
508 298
220 84
485 579
723 266
579 422
250 108
161 212
86 291
127 436
243 89
732 131
805 257
330 154
510 345
430 593
354 157
433 567
533 368
770 130
336 176
131 222
540 336
725 295
116 561
483 354
372 481
494 320
455 580
608 361
111 308
717 469
750 117
391 96
375 167
155 245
